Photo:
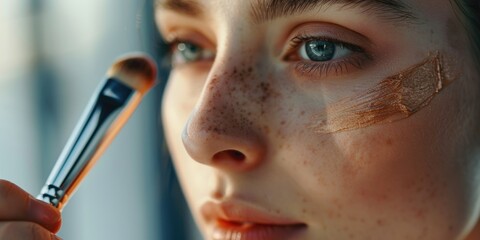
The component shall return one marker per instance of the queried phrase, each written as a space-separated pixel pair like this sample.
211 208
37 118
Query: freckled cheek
289 112
395 168
379 158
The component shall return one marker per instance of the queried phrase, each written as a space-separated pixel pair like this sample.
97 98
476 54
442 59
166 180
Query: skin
415 178
411 179
24 217
396 97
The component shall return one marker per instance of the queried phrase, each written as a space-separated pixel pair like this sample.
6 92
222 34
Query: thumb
18 205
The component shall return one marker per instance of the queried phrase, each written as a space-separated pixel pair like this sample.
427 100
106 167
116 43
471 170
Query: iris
190 52
320 50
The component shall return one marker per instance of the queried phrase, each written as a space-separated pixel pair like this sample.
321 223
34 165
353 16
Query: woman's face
319 119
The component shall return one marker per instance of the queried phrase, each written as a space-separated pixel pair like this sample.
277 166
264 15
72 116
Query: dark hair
470 17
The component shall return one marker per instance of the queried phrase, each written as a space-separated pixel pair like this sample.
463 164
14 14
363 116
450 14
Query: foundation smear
394 98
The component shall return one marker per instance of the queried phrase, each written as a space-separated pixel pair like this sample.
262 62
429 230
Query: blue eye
321 57
188 51
185 52
323 50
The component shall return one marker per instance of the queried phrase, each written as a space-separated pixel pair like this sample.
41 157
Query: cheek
182 93
179 99
410 174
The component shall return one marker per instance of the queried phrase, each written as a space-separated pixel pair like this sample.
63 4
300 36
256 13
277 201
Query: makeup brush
112 104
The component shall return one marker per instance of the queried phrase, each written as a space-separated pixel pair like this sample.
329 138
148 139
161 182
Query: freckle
420 214
279 134
362 192
380 222
282 122
330 213
319 179
302 113
266 129
433 193
389 142
384 197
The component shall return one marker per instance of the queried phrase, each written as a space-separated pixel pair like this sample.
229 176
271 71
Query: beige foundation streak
394 98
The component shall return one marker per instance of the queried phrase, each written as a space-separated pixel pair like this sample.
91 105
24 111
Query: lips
238 220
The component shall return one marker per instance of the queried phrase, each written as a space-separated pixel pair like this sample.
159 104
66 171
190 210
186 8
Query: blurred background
53 54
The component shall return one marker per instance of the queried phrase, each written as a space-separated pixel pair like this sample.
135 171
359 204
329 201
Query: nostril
231 154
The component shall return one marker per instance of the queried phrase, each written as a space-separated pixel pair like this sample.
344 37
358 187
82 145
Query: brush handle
102 119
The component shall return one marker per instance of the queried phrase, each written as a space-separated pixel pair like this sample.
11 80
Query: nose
221 131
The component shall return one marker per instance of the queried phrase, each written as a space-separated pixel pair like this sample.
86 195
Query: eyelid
189 35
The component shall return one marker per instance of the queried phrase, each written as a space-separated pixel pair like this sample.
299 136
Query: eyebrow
187 7
391 10
267 10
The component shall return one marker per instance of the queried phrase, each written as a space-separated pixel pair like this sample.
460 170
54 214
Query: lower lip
232 231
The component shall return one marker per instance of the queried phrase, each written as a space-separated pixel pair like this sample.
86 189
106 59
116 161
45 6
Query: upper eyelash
172 42
302 38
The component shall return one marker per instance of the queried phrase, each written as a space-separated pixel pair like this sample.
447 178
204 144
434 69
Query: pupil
189 51
318 50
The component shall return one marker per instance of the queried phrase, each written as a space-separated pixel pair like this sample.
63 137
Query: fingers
25 231
18 205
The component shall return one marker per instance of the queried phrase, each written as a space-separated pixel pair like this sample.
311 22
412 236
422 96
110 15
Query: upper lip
239 211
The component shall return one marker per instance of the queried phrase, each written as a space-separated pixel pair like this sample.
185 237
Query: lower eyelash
321 70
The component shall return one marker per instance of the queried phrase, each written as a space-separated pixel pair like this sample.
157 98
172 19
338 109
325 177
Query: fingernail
44 212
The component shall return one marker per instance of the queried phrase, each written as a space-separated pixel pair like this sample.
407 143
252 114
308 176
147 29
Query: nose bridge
224 118
228 98
226 107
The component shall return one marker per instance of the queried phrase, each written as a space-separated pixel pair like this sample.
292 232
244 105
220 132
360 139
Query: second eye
185 52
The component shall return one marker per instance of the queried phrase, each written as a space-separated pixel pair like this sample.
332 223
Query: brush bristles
135 70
